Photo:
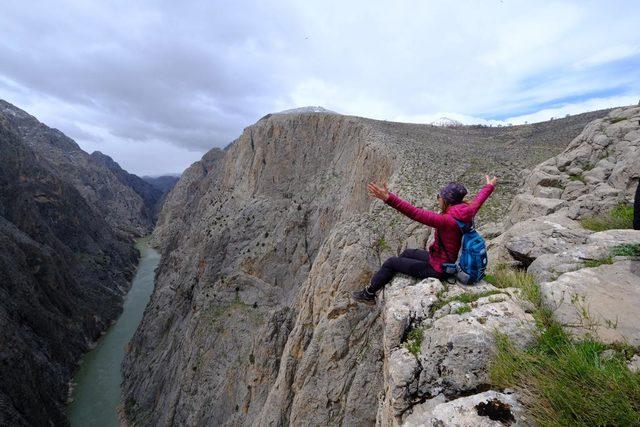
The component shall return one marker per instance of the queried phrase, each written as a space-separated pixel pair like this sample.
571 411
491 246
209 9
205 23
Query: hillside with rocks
251 322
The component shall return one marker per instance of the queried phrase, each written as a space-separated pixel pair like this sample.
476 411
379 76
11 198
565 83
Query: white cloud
184 77
574 108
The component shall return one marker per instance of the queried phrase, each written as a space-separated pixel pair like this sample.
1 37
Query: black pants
636 209
414 262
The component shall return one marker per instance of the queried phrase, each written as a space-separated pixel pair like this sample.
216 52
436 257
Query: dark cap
453 193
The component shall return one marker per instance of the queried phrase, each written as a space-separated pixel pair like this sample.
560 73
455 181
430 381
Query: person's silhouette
636 209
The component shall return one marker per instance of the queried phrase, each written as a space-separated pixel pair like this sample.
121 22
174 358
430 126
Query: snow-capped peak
446 122
309 109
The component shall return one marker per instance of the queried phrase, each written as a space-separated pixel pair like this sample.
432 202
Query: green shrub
463 309
620 217
628 249
616 119
413 341
577 178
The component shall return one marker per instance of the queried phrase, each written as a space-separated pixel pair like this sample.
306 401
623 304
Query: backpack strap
464 227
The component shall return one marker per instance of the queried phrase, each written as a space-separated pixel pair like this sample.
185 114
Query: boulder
526 248
549 266
525 206
602 301
456 344
456 348
487 409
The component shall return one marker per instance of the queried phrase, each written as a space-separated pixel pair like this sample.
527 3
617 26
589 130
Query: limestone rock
598 246
601 301
487 409
634 363
457 347
544 235
456 343
596 172
528 206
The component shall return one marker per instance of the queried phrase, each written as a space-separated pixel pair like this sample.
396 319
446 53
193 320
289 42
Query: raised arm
483 194
427 217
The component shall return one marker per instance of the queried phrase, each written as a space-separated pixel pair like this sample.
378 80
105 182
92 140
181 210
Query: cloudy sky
155 84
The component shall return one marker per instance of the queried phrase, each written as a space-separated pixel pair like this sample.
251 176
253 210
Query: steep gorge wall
63 274
67 222
250 322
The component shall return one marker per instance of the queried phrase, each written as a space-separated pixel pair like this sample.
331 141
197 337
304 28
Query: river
97 391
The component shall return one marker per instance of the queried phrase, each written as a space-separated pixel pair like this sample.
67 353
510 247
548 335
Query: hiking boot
364 297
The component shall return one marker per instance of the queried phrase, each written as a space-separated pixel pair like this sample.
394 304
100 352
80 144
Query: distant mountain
127 203
148 192
162 183
446 122
309 109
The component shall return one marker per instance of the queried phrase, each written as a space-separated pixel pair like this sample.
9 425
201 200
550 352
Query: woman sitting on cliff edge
419 263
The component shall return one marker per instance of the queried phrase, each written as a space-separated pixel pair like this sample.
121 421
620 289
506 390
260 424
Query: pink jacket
444 224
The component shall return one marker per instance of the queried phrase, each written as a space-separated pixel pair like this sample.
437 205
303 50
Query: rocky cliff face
127 202
250 322
63 273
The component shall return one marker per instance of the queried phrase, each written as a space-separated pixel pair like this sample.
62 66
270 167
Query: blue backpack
472 261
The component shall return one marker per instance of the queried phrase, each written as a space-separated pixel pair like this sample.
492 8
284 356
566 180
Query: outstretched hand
491 181
378 192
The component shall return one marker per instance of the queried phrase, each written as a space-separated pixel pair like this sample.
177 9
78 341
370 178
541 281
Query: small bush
463 309
616 119
413 341
577 178
628 249
592 263
620 217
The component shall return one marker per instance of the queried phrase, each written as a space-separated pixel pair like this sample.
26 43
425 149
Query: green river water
97 391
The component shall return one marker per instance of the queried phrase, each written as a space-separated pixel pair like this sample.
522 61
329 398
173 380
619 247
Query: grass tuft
568 383
463 309
413 341
616 119
505 277
627 249
563 381
577 178
592 263
620 217
467 297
